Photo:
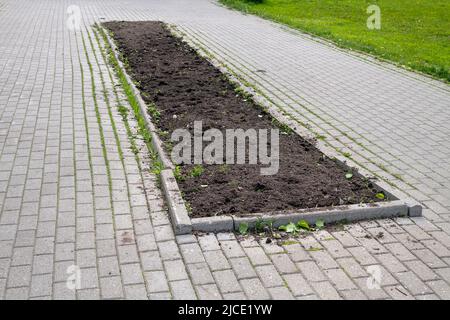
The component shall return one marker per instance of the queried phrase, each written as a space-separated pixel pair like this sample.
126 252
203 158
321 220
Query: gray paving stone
429 258
89 278
269 276
340 279
208 292
106 248
217 260
283 263
128 254
208 242
362 256
88 294
422 270
199 273
353 294
226 281
323 259
257 256
22 256
163 233
441 288
108 266
41 285
254 289
86 258
437 248
111 288
192 253
325 290
146 242
16 294
235 296
182 290
243 268
427 297
44 245
160 296
372 292
42 264
61 292
176 270
297 252
311 271
169 250
335 248
19 276
151 261
391 262
398 250
131 274
411 282
185 238
232 249
280 293
351 267
156 281
135 292
399 293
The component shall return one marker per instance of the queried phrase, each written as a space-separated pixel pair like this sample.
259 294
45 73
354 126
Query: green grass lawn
414 33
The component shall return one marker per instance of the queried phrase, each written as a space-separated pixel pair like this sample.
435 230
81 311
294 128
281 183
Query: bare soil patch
186 88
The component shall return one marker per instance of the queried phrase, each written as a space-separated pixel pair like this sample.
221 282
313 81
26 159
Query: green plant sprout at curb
178 174
380 195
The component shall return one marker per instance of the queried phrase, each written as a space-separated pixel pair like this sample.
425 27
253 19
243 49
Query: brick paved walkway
73 192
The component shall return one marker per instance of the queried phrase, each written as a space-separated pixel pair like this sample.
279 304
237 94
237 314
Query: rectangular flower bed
178 89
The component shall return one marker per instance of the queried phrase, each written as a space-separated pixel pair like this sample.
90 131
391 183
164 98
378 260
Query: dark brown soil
185 87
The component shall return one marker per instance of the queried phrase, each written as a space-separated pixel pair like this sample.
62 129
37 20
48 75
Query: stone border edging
183 224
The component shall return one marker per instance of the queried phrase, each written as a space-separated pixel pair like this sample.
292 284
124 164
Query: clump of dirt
185 88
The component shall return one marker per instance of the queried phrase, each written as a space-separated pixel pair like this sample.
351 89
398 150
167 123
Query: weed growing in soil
197 171
154 113
223 168
178 174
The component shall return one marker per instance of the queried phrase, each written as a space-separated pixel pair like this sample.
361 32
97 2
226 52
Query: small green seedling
303 224
154 113
261 225
320 224
380 195
243 228
290 228
178 174
197 171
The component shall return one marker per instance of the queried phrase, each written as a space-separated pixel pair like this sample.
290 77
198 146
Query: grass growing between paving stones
156 165
414 34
